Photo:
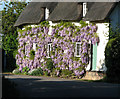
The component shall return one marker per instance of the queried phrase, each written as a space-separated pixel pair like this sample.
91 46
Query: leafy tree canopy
10 13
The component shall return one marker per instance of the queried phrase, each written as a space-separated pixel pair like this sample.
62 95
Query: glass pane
78 49
49 49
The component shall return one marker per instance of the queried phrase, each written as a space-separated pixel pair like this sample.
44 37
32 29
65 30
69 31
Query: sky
2 3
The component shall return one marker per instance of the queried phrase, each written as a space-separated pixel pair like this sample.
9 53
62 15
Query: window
77 49
26 49
34 46
84 9
49 48
46 13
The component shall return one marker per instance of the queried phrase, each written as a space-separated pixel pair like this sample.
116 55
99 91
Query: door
94 57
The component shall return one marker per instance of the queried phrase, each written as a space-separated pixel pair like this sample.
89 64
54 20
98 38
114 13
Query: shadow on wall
103 68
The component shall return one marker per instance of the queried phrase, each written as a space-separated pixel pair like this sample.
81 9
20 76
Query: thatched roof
66 11
99 11
34 13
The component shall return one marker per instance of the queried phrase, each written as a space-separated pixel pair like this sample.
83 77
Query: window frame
49 49
47 12
76 49
34 46
84 9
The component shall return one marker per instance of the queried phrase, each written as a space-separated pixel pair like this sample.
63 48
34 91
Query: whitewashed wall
103 33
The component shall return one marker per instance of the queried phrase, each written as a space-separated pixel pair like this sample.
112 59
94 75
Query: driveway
34 87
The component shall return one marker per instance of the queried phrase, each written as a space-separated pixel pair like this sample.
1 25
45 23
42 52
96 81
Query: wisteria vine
63 38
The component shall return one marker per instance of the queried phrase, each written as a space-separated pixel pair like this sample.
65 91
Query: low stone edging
93 76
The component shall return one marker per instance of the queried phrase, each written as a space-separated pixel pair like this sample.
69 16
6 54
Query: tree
10 13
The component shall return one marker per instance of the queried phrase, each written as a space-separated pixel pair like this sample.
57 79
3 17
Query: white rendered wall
50 28
103 32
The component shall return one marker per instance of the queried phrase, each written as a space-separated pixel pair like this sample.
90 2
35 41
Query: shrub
25 70
112 58
46 73
37 72
56 72
66 73
49 64
16 71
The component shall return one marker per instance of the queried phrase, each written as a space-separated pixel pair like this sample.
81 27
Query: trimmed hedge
112 59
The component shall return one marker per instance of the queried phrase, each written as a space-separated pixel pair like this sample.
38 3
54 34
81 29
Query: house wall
103 32
115 17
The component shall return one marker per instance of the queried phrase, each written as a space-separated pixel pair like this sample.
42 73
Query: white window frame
46 13
25 50
49 48
84 9
34 46
76 49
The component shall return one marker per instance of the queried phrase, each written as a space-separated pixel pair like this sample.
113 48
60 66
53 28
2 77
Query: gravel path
34 86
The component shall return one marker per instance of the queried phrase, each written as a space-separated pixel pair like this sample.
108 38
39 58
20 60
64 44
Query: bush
25 70
37 72
112 59
16 71
49 64
56 72
46 73
66 73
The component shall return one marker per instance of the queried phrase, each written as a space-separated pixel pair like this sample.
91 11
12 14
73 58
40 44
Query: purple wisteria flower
63 47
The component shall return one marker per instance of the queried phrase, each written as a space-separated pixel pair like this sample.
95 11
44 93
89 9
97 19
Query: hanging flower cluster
63 38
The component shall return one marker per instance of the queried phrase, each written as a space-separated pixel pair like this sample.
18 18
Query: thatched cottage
104 14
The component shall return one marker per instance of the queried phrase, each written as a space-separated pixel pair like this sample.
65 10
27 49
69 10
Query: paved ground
33 86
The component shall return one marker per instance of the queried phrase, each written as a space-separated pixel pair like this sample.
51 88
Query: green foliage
66 73
16 71
114 32
15 53
112 58
83 23
10 13
25 70
32 54
37 72
46 73
64 24
49 64
44 23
